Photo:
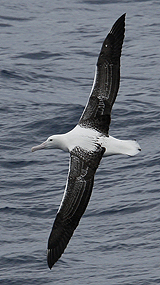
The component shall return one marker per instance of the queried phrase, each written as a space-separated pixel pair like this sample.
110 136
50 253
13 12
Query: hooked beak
40 146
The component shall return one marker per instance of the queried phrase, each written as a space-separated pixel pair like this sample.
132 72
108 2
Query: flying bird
88 142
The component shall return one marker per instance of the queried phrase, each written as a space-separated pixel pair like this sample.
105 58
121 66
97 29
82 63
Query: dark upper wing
104 91
83 166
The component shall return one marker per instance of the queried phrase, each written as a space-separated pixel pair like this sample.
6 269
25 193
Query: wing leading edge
83 166
106 84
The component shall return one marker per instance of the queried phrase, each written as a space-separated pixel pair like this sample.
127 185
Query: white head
51 142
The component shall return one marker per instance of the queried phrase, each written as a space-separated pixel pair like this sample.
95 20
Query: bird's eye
50 140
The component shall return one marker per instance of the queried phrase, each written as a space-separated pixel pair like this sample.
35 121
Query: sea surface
48 52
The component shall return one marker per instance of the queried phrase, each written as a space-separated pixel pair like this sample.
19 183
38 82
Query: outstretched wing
78 190
106 83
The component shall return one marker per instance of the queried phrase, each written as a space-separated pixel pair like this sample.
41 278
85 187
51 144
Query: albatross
88 142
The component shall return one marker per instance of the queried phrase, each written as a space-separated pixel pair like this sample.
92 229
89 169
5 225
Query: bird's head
51 142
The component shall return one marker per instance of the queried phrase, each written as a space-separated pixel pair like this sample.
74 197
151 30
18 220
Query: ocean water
48 54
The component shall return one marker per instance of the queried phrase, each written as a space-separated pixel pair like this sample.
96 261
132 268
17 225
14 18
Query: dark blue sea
48 52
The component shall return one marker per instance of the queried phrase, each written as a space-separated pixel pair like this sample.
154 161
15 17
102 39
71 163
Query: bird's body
88 139
88 142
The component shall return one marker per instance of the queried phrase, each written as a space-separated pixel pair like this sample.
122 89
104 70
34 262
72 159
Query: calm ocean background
48 53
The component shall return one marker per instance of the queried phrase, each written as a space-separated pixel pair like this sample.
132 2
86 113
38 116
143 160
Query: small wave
38 55
16 163
39 211
10 74
10 18
5 25
129 209
18 75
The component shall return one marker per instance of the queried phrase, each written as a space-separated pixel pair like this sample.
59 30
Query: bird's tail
116 146
130 147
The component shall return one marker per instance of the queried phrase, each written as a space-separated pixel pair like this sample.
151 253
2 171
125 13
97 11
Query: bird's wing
78 190
106 83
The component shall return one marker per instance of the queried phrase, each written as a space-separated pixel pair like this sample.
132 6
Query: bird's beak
40 146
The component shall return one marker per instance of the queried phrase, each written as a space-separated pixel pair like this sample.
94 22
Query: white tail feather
115 146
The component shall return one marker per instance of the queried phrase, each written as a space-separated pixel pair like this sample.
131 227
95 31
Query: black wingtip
121 18
118 27
112 45
50 260
123 15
